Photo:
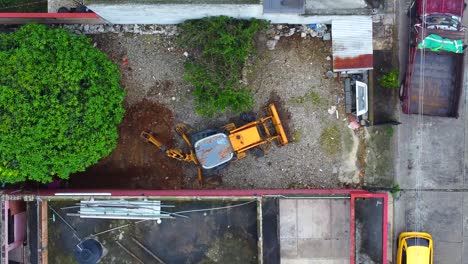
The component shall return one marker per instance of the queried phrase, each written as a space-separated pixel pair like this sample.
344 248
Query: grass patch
315 98
348 140
296 136
220 47
395 189
379 167
311 97
330 140
390 79
390 131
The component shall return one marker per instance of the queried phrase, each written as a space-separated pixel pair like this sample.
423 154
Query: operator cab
213 151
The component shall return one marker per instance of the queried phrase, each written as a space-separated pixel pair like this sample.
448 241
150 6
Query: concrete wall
175 14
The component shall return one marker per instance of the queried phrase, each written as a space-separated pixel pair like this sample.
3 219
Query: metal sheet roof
352 44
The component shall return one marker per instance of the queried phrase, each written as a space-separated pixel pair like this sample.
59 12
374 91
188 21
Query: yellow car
414 248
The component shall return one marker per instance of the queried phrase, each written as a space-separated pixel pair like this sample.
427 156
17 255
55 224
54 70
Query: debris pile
166 30
274 33
284 30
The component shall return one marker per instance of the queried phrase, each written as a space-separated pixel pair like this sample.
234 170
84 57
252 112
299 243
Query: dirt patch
385 100
380 168
330 140
135 164
292 76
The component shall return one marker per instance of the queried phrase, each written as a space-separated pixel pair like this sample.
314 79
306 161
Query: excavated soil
136 164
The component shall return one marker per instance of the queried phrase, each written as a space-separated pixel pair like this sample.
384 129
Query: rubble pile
166 30
275 32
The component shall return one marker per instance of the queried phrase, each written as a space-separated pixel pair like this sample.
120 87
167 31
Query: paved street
431 170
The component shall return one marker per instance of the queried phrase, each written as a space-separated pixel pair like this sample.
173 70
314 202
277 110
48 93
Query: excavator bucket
282 139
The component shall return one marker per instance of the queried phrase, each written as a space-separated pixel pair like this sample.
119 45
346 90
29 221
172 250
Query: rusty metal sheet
352 43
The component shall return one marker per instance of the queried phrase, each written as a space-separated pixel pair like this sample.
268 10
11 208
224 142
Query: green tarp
436 43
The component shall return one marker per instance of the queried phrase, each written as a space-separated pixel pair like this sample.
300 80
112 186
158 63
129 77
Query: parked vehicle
415 248
434 77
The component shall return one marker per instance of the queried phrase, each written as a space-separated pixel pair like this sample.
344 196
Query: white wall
175 14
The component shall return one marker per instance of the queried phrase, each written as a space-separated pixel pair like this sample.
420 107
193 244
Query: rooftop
287 226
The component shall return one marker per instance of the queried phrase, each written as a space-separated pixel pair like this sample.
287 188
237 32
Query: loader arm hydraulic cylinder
171 153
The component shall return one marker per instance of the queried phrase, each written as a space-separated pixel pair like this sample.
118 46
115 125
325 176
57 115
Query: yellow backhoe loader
213 149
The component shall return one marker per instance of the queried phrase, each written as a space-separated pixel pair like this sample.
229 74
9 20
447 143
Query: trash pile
283 30
274 33
166 30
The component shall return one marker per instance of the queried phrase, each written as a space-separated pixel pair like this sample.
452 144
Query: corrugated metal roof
352 43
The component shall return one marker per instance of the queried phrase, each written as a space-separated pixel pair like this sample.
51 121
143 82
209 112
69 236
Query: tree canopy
60 104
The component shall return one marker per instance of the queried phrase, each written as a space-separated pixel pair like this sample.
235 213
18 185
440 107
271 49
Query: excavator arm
171 153
176 153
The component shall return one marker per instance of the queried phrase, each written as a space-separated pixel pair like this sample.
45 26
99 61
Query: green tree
60 104
220 47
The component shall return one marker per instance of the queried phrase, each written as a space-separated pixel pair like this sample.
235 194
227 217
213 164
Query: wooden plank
44 232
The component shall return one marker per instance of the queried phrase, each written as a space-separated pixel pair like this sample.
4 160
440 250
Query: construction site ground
323 152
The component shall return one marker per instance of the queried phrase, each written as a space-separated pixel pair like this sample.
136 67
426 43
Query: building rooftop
287 226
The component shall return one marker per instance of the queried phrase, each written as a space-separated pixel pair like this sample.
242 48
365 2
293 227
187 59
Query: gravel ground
293 75
295 72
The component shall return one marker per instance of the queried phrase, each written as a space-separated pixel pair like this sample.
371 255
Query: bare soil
136 164
292 76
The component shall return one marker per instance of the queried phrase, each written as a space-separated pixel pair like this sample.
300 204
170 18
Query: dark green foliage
390 80
23 6
395 189
221 46
7 3
60 103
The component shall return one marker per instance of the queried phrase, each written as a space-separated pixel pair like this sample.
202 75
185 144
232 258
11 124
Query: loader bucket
283 140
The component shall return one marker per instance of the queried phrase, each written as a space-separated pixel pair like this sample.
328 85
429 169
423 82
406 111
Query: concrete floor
431 171
340 4
54 5
314 231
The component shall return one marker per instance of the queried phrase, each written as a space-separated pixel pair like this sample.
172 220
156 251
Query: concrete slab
340 248
427 155
288 218
54 5
465 215
448 252
314 248
337 4
314 219
465 251
288 248
439 213
338 217
321 228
